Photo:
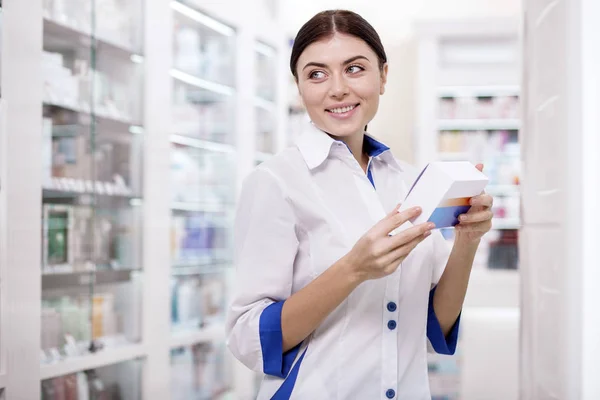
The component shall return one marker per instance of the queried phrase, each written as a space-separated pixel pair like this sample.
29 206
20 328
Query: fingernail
417 209
427 233
462 218
431 225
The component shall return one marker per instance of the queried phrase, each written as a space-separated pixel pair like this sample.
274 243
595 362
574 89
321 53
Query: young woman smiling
328 305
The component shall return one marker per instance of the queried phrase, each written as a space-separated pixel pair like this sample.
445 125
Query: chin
343 130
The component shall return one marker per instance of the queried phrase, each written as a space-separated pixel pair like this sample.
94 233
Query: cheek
367 89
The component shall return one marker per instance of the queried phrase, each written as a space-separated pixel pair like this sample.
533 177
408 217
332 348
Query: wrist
349 272
463 242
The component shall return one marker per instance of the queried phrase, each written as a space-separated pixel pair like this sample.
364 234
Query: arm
266 322
305 310
447 299
452 287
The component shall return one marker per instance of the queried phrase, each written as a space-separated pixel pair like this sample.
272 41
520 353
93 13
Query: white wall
561 322
393 20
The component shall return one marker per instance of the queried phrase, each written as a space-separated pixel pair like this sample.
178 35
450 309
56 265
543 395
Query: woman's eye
317 75
353 69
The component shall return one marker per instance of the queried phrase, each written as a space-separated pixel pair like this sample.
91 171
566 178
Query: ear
383 78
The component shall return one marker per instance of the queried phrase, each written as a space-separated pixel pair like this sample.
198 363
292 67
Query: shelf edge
91 361
204 335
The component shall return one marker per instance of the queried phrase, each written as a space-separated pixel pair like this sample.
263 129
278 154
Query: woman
328 304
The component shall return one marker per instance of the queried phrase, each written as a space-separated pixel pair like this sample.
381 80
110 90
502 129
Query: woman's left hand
478 220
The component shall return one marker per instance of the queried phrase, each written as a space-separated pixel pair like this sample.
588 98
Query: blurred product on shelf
199 239
201 114
113 19
67 330
67 154
81 324
79 238
72 88
444 376
498 150
497 107
201 176
86 385
504 252
201 51
265 67
265 130
199 372
197 301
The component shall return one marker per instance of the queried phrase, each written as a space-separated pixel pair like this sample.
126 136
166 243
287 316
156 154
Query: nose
339 86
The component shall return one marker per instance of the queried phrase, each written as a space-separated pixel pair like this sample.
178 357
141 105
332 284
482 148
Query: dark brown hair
326 23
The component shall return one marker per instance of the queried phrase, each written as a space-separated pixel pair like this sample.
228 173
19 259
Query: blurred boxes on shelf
199 372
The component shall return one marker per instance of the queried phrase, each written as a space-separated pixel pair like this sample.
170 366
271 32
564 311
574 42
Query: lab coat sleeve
265 248
437 342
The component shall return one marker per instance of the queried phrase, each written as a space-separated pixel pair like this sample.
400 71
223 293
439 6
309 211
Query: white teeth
342 110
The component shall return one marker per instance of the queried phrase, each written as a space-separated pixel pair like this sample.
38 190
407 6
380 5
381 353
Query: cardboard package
443 190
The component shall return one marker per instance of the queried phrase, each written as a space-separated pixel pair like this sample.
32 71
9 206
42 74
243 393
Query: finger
481 227
394 220
483 200
399 253
479 216
479 167
409 235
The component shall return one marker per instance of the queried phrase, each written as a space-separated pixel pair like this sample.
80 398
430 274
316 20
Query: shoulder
277 171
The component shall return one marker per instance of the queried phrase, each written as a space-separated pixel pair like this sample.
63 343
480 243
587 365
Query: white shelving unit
467 109
140 357
85 363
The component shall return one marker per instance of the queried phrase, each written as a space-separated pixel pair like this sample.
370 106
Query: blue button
390 394
391 306
392 325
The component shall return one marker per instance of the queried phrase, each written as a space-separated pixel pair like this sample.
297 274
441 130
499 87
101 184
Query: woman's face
340 83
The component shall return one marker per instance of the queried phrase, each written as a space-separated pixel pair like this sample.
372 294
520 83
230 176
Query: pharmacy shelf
202 19
75 35
200 207
202 144
479 91
102 117
503 190
478 124
266 105
212 333
51 281
213 267
202 83
97 360
67 187
506 223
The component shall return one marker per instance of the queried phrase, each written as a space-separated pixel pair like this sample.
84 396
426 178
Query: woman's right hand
377 254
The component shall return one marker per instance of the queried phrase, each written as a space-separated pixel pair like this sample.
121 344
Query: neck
355 144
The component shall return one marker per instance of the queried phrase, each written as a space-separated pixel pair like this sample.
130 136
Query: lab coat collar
315 146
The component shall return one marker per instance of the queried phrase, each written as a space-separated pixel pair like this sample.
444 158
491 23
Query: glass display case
203 178
200 372
92 143
482 125
118 381
265 97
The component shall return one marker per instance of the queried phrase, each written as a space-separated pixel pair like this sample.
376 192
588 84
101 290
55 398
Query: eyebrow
321 65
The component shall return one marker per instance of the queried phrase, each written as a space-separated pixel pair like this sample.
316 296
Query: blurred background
127 127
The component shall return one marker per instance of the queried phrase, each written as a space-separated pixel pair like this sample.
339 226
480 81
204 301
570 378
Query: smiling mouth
342 110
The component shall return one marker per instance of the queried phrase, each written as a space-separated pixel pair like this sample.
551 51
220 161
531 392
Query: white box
443 191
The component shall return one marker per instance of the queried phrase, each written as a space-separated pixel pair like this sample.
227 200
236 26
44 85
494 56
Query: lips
342 108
